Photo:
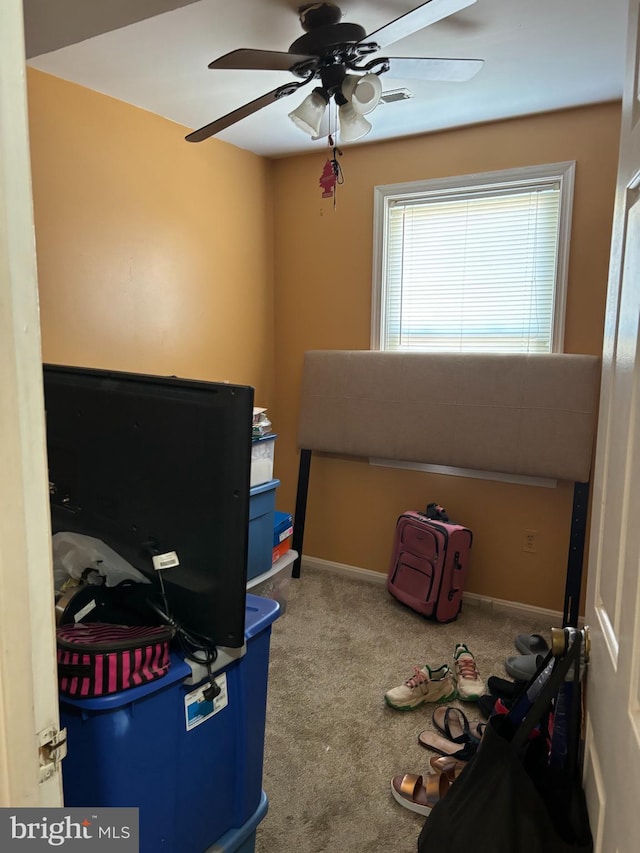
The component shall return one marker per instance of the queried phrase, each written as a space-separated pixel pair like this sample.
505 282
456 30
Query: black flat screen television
152 465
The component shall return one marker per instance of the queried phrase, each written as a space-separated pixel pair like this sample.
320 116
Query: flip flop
439 744
454 725
417 793
531 644
523 667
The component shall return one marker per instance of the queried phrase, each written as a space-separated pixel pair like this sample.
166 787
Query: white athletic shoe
425 685
470 686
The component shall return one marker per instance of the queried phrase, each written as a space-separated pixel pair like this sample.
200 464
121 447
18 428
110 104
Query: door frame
28 687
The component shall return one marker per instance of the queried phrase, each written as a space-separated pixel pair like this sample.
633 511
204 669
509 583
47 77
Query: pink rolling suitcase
429 563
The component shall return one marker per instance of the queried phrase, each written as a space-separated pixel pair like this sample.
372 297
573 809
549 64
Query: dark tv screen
152 465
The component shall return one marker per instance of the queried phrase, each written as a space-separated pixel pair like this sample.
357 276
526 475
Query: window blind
472 271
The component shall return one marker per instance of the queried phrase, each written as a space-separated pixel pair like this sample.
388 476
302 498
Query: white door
28 690
612 752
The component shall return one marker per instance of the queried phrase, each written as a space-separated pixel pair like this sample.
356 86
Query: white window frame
527 176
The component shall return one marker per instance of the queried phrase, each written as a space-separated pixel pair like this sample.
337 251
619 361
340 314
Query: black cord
196 647
190 642
337 168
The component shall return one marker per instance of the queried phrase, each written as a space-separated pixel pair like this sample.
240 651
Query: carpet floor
332 744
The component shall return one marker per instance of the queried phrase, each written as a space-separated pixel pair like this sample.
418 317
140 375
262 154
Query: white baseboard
542 614
344 569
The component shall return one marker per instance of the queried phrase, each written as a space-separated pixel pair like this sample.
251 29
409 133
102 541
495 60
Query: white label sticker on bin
285 534
198 708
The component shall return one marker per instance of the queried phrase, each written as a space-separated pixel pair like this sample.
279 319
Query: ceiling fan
335 52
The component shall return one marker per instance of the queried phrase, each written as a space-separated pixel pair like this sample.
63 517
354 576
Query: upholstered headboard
531 415
528 415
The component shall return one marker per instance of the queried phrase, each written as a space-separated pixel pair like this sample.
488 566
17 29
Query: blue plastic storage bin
193 782
262 505
242 840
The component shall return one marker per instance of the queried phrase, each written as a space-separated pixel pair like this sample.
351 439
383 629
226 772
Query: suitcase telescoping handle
437 513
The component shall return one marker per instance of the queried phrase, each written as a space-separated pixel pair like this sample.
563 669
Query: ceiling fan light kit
356 97
364 93
308 116
353 125
329 51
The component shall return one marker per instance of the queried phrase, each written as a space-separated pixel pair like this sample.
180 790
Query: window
473 264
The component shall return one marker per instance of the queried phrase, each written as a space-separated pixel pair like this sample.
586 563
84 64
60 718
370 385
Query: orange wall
323 263
154 255
159 256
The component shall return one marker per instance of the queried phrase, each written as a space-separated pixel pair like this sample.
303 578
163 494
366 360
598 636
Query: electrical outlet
530 541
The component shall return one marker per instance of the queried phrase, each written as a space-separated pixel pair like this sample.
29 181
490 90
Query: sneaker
470 686
425 685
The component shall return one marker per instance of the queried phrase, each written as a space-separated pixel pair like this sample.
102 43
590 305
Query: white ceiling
539 55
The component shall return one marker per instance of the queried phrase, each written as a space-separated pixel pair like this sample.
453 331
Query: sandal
417 793
448 766
439 744
454 725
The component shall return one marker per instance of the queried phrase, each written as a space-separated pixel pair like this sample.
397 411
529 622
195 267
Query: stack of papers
261 423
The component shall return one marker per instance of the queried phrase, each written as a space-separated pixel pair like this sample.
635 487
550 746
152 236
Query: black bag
509 799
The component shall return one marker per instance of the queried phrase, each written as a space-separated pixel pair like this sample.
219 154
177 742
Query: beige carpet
332 745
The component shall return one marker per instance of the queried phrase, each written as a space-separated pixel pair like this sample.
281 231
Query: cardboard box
282 527
280 549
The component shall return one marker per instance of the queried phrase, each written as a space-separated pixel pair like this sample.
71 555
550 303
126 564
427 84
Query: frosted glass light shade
308 116
352 125
363 92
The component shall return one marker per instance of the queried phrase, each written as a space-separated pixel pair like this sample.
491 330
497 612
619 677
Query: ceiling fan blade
231 118
454 70
259 60
416 19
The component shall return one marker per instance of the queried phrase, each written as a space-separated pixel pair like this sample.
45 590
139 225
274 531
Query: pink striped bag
95 659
